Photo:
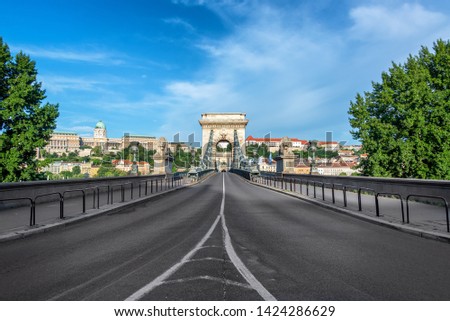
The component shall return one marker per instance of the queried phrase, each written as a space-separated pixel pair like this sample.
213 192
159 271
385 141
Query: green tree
110 172
25 124
96 162
404 122
66 174
97 151
76 170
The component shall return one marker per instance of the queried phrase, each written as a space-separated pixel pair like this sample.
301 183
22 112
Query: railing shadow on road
47 207
368 201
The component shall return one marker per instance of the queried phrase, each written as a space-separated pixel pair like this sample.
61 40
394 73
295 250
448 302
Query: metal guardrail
360 190
32 206
428 196
171 183
377 206
290 184
61 204
72 191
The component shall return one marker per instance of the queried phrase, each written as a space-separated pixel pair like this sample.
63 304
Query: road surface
224 239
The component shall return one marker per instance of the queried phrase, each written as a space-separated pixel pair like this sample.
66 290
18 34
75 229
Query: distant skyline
153 67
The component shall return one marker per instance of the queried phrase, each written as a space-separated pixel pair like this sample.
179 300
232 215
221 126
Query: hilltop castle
65 142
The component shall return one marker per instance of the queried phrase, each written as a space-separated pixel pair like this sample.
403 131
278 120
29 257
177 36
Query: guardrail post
122 192
61 206
93 198
344 190
359 200
98 197
84 202
377 205
332 193
323 192
32 213
307 188
407 209
403 212
314 184
446 213
146 188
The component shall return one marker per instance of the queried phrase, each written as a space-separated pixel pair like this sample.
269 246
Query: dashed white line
240 266
245 272
209 278
160 279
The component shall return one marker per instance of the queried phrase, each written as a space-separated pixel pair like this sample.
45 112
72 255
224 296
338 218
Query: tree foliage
109 171
404 122
25 124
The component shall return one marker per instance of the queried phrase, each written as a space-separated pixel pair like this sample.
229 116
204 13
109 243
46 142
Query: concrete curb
107 210
437 236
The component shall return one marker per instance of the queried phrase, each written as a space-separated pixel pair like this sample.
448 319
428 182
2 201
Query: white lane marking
160 279
248 276
208 259
245 272
209 278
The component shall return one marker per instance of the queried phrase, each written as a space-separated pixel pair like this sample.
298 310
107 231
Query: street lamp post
134 168
313 148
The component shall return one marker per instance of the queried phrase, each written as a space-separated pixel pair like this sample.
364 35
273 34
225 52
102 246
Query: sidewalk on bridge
429 221
15 219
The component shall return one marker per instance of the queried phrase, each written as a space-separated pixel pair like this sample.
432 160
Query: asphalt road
224 239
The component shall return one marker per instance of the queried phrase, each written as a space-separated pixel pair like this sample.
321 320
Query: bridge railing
74 201
363 198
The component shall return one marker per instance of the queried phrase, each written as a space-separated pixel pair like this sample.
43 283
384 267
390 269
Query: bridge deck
224 239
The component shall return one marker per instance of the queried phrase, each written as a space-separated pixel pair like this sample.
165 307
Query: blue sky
152 67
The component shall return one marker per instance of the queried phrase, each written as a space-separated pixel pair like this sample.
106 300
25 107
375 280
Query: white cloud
272 67
287 71
196 91
180 22
408 20
57 84
79 129
90 56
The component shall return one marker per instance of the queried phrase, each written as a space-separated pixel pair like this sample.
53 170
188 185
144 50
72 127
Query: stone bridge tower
219 130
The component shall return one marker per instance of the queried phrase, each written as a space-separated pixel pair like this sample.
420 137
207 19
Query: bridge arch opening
223 139
223 155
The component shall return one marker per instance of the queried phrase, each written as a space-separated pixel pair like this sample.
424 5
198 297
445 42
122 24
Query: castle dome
101 125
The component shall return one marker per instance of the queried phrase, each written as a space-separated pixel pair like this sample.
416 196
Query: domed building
64 142
100 130
101 139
